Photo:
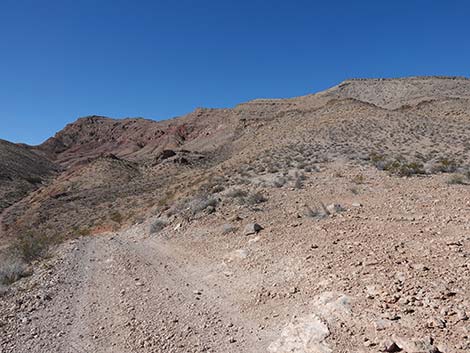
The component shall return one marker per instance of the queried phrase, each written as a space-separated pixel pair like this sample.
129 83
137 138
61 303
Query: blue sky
61 59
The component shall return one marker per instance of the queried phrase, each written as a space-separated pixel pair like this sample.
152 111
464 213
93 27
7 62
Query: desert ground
333 222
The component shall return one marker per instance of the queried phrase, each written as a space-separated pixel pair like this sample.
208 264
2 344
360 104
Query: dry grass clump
202 203
317 212
236 193
244 197
457 179
358 179
445 165
255 198
116 216
157 226
403 168
31 246
11 270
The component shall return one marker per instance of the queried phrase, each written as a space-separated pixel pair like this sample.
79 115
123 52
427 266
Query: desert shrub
31 246
200 203
403 168
255 198
316 213
358 179
354 190
157 226
446 165
34 180
378 160
218 188
236 193
82 231
457 179
116 216
279 182
12 270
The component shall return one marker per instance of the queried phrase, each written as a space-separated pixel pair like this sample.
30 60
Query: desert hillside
21 171
332 222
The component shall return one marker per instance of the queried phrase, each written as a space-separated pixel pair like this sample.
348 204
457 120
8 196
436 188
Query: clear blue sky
61 59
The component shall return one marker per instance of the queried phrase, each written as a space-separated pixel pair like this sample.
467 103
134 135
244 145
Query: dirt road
117 294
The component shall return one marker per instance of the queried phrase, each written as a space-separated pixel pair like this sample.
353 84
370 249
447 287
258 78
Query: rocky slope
21 171
361 191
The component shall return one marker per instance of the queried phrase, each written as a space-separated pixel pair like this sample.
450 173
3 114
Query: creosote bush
403 168
157 226
256 198
457 179
31 246
11 270
199 204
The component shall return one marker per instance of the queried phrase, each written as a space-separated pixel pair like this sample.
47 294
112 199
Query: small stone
356 204
209 209
416 345
437 322
462 315
389 346
334 208
252 228
293 290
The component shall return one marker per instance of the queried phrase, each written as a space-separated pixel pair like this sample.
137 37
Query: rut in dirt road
117 295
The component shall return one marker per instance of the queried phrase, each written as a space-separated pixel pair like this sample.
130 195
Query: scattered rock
462 315
252 228
389 346
334 208
416 345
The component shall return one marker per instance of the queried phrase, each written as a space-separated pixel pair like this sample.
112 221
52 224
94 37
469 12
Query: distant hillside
21 171
133 167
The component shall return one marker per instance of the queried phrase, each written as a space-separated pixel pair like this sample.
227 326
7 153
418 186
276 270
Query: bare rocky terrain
333 222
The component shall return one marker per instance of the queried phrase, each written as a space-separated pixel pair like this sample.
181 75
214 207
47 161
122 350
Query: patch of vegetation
117 217
157 226
457 179
446 165
201 203
11 270
82 231
236 193
316 213
358 179
354 190
31 246
255 198
403 168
